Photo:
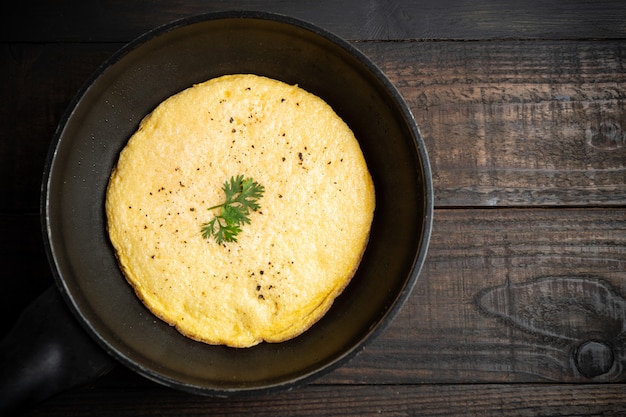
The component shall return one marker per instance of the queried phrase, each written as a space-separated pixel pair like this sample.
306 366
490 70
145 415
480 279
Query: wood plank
517 123
115 21
461 323
566 269
363 400
506 123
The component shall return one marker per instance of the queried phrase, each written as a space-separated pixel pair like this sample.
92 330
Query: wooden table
521 306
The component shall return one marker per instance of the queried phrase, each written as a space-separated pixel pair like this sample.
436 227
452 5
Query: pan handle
45 353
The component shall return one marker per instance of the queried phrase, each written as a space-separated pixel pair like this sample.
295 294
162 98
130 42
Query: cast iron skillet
108 110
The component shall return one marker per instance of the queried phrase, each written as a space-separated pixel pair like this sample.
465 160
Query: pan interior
166 61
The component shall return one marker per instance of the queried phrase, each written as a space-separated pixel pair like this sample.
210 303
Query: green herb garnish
242 196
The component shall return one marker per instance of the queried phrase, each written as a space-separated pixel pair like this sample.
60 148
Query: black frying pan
108 110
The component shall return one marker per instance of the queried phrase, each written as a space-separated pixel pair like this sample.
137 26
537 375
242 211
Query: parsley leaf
242 197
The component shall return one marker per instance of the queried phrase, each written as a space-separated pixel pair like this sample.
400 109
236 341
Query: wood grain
118 21
444 334
517 123
506 123
359 400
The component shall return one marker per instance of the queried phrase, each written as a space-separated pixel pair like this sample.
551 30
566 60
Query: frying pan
108 110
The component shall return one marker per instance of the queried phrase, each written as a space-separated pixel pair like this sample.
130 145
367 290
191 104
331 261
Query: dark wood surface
521 306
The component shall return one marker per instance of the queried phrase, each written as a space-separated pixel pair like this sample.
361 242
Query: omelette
301 245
